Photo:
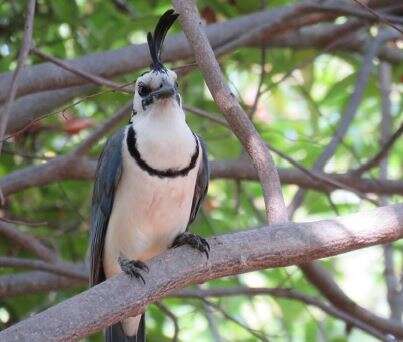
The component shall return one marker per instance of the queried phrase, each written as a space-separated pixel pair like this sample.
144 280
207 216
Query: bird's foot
133 267
194 241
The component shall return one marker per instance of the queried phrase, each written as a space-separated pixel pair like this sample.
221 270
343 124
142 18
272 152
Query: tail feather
115 333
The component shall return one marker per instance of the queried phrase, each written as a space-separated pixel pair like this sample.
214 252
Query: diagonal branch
28 242
233 112
281 245
382 153
82 73
103 128
348 115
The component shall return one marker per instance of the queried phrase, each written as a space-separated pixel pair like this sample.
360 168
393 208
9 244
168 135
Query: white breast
149 212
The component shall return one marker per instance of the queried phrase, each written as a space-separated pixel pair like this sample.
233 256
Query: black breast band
170 173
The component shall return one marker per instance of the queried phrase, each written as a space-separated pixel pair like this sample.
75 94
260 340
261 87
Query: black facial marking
143 90
169 173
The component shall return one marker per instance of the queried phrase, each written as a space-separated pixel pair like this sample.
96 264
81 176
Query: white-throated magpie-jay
150 181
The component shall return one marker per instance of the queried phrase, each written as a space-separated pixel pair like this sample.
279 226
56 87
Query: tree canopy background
304 85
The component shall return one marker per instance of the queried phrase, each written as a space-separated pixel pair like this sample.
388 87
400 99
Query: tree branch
281 245
108 64
59 268
25 283
28 242
83 74
103 128
382 153
82 168
279 293
28 108
11 87
234 114
348 115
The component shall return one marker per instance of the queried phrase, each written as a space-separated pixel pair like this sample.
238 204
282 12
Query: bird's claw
132 268
194 241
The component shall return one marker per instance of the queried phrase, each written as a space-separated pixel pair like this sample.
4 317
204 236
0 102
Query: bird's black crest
156 41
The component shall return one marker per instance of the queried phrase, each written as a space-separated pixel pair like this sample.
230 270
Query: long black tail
115 333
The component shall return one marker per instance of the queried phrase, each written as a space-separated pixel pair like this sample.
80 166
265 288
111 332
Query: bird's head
157 87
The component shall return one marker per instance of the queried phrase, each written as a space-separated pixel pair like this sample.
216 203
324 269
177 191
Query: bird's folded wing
202 182
107 178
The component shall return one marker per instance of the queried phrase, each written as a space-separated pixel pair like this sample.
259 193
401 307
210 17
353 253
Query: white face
150 82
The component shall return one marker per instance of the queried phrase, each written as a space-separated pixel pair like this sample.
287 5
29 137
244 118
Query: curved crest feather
156 41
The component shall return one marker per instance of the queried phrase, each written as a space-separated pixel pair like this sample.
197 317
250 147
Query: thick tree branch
59 268
108 64
282 245
24 283
83 168
28 108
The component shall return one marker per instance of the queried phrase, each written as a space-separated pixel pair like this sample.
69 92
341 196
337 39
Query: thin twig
348 115
61 111
82 73
26 44
279 293
382 18
103 128
227 316
382 153
24 223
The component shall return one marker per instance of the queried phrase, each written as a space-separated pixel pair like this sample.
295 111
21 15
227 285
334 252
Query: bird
151 179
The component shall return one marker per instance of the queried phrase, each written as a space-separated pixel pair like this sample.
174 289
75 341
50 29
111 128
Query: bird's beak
164 92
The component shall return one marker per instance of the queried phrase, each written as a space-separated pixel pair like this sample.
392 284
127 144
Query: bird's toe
133 267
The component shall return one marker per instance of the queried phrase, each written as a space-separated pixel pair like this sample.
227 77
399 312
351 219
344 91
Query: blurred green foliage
298 116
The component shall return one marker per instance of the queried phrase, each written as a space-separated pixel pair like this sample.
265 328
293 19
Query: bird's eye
143 90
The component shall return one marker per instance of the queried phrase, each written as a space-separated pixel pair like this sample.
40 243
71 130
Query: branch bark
233 112
281 245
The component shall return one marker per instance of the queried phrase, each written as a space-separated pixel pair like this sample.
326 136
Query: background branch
12 86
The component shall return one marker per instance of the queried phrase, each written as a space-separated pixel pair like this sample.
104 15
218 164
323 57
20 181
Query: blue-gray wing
202 181
107 178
